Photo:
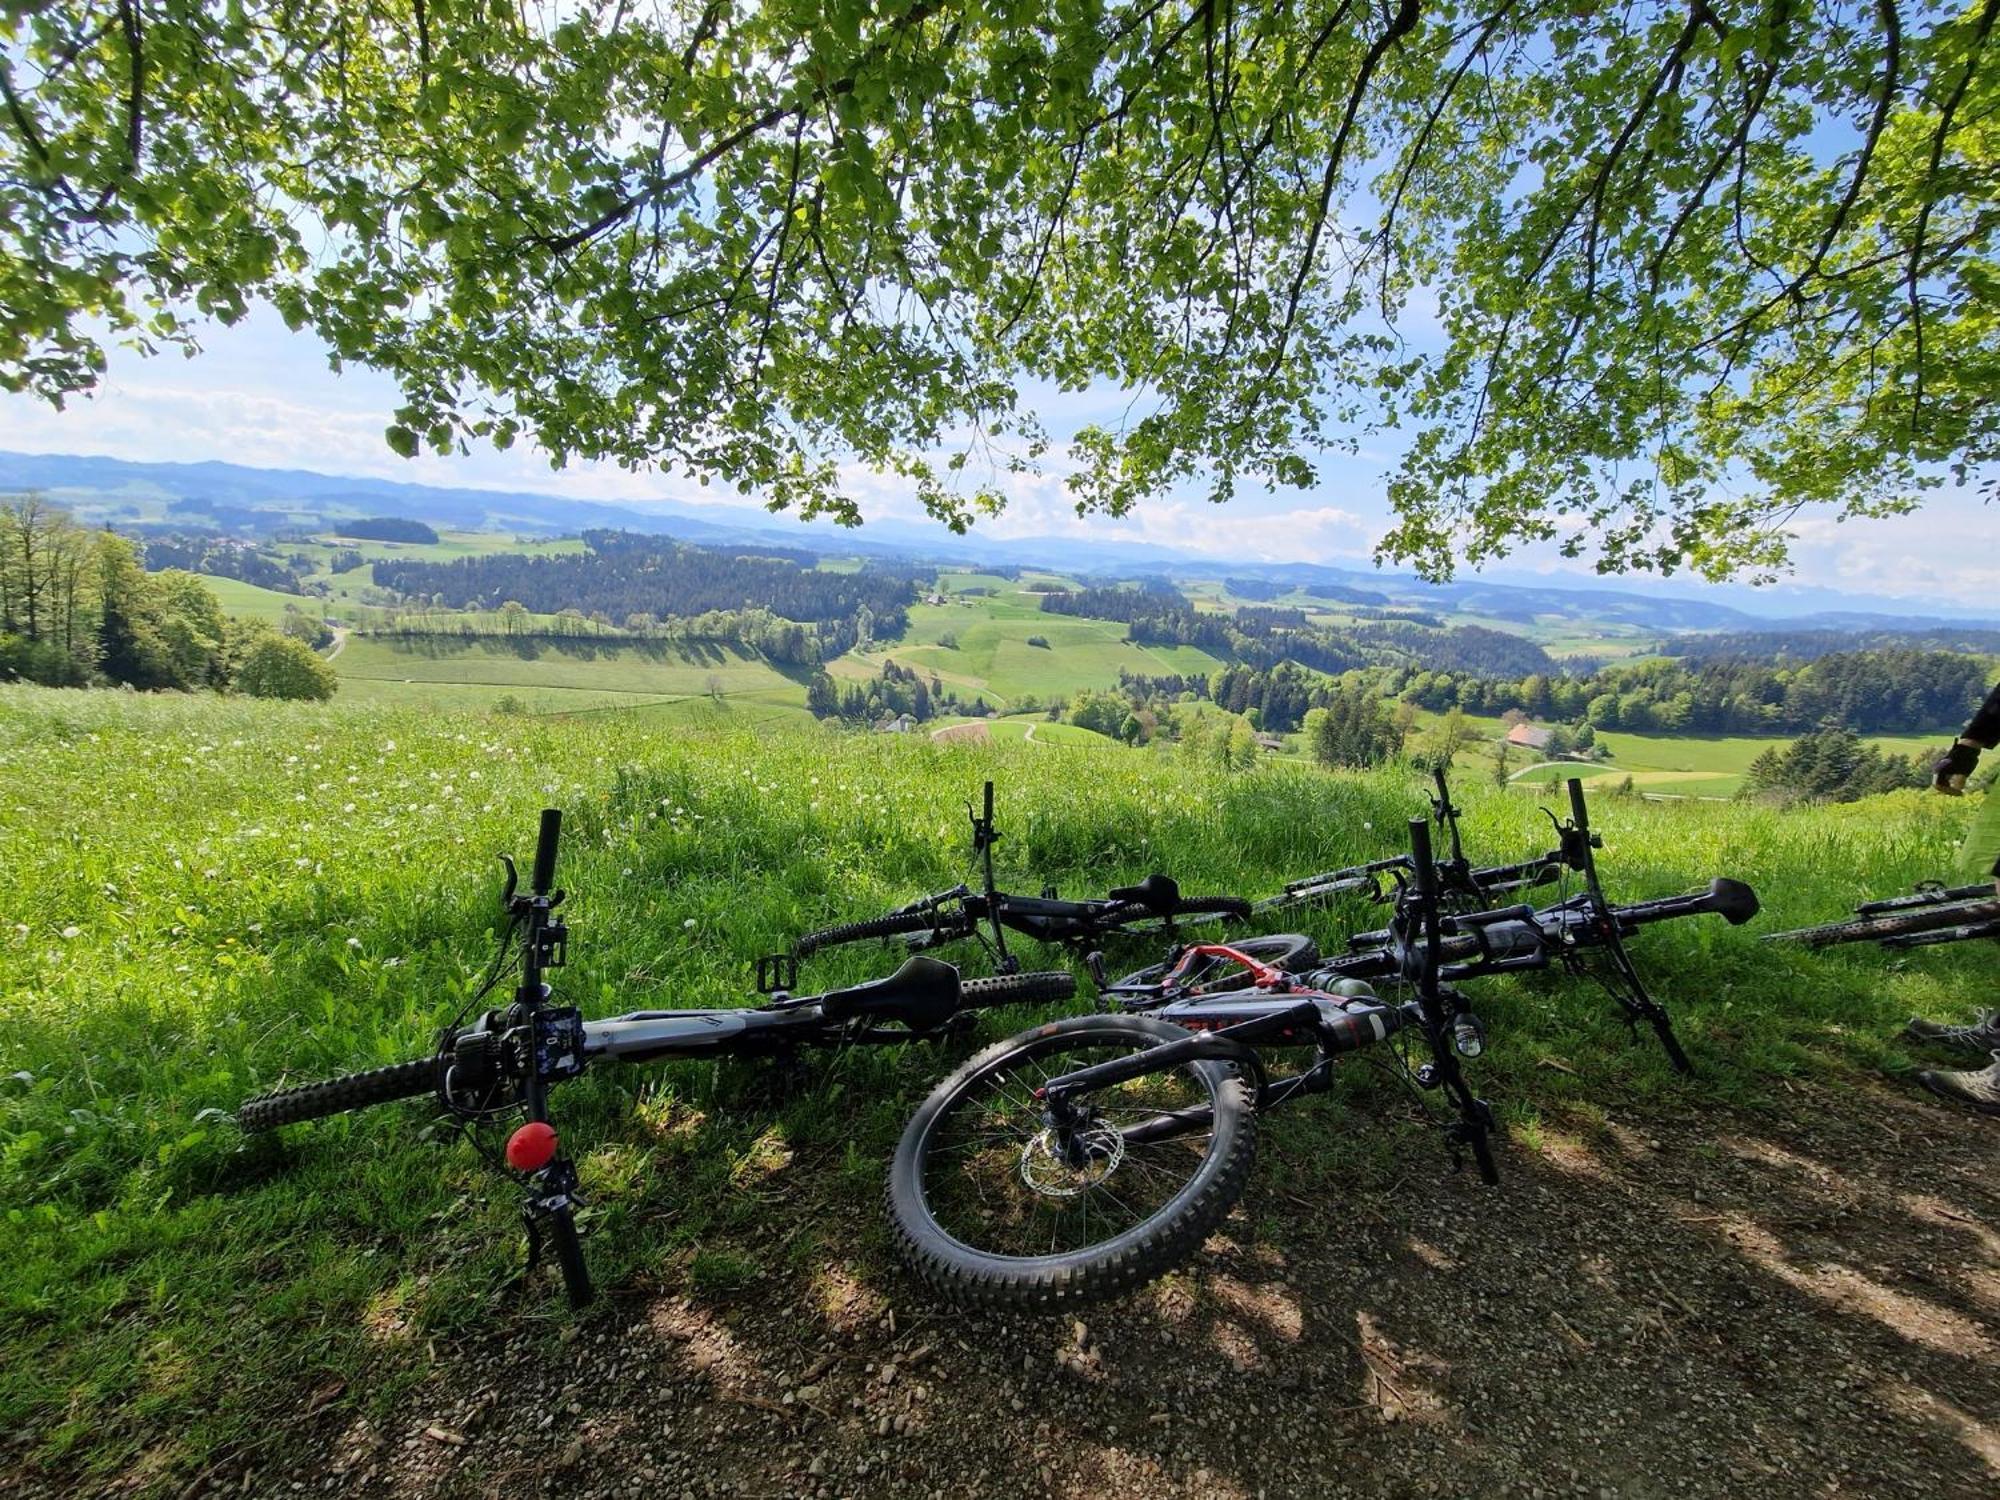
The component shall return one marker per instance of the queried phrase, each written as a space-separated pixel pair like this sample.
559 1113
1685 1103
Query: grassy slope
1690 766
253 602
547 676
993 655
228 895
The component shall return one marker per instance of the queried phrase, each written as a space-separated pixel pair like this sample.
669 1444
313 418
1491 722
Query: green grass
213 897
1692 766
992 657
252 602
547 676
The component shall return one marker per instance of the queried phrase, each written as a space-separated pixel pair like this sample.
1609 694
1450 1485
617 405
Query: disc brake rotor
1046 1172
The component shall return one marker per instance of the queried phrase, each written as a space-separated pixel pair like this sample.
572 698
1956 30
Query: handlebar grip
544 877
1420 856
1576 805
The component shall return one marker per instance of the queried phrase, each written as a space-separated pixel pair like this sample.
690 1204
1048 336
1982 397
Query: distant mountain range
261 502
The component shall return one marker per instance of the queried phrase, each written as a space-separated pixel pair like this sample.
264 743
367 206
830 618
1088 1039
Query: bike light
532 1147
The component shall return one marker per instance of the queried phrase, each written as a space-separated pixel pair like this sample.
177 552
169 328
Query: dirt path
340 634
1682 1302
973 731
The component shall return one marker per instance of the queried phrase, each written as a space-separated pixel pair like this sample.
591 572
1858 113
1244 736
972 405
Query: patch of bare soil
973 732
1675 1304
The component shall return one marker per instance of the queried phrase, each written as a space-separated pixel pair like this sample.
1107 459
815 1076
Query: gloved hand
1957 763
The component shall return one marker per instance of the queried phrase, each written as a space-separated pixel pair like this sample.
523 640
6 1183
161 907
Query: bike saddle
1734 901
923 995
1159 892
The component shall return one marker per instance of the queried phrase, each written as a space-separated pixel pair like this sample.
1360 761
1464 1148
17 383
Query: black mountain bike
501 1066
1461 884
1154 908
1583 933
1083 1158
1930 915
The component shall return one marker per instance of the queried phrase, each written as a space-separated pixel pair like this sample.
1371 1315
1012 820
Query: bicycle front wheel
334 1096
992 1206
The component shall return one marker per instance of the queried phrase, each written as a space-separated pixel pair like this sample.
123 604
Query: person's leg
1978 859
1980 853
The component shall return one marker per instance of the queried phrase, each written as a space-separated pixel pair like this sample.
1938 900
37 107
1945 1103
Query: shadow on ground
1668 1304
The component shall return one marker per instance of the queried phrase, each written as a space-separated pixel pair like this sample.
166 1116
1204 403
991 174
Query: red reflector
532 1147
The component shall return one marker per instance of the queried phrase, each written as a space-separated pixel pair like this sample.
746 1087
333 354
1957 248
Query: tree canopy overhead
1692 266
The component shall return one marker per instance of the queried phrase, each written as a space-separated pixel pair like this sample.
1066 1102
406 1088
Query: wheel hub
1054 1170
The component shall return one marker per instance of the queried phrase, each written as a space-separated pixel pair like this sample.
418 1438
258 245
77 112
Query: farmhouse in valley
1529 737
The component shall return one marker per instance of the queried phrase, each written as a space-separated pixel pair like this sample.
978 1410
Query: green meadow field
1693 766
215 897
546 675
992 656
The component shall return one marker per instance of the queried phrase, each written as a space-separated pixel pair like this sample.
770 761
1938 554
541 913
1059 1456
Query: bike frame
1517 938
514 1056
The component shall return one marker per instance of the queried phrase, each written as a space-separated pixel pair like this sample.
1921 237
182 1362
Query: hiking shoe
1981 1090
1982 1036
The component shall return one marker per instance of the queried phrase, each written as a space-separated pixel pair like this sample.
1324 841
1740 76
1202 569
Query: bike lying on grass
1461 884
1928 916
1153 908
502 1065
1582 933
1083 1158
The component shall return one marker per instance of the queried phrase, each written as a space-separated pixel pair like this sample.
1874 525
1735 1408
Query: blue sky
262 395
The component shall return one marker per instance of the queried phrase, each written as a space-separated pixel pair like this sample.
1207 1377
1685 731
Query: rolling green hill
992 655
546 676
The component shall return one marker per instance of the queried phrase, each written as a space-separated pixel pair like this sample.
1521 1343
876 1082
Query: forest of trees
1897 691
896 690
623 574
1809 645
77 610
1353 728
785 641
1265 636
1830 765
386 529
198 552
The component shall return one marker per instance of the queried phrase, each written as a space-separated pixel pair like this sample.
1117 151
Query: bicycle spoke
1001 1179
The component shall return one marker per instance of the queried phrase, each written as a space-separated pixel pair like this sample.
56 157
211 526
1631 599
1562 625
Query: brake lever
513 880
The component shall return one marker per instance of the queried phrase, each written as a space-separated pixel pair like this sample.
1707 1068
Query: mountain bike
1083 1158
1583 933
501 1066
1461 884
1153 908
1932 914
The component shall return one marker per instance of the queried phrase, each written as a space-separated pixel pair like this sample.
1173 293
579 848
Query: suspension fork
1625 986
1473 1126
984 837
552 1197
